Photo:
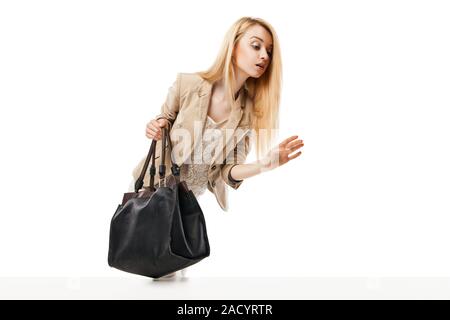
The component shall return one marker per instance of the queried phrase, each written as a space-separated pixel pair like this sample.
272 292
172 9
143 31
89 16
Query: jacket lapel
199 119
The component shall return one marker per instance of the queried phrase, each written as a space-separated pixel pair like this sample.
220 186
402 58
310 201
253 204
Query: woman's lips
259 68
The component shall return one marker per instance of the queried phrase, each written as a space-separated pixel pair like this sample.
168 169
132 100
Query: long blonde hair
264 91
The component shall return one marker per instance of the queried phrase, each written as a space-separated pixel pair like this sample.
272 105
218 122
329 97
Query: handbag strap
140 181
162 168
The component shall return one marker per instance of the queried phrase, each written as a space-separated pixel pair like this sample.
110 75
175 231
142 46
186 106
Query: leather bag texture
159 229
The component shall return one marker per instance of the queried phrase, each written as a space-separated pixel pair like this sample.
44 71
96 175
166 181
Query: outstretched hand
281 154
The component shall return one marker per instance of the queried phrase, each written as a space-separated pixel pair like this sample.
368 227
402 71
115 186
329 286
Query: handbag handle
162 168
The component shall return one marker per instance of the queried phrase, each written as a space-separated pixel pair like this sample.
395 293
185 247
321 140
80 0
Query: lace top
196 174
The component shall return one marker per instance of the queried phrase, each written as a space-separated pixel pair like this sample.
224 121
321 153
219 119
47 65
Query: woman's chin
256 75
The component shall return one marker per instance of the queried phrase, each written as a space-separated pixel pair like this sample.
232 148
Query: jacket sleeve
171 106
235 157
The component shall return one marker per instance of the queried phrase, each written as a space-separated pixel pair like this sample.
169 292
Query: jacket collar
205 89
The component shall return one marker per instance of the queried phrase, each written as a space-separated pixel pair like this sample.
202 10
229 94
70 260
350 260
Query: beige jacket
187 103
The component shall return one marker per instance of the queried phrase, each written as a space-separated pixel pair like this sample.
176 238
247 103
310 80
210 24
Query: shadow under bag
157 231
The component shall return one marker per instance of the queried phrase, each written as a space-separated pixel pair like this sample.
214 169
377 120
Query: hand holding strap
162 168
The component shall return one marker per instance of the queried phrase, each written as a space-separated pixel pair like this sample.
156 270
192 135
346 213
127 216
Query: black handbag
157 231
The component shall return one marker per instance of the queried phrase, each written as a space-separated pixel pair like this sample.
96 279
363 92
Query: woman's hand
153 128
281 153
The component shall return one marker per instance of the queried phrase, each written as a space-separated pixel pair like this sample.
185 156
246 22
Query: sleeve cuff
231 178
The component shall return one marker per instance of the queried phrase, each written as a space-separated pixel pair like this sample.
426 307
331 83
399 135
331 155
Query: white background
366 86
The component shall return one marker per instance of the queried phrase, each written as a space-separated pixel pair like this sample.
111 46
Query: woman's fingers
153 131
286 141
295 155
155 125
294 144
152 135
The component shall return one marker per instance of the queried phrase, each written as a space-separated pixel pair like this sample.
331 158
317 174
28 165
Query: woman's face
255 47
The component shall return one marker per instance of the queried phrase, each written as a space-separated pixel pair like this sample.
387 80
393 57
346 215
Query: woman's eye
257 47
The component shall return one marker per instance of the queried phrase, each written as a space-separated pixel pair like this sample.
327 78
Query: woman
216 115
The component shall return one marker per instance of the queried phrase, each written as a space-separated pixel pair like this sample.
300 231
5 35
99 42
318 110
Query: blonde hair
264 91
